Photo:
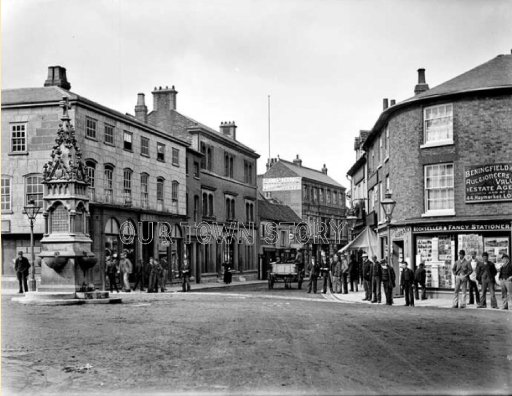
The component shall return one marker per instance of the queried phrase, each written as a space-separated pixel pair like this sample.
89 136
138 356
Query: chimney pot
164 99
141 110
228 129
392 102
385 103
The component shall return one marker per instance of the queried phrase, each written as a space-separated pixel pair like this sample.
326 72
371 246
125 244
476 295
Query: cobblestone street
251 340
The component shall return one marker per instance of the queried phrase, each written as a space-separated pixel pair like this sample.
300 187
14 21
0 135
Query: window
209 158
207 204
90 127
175 157
34 189
109 134
210 205
334 197
382 154
6 194
228 165
128 141
144 196
203 158
90 168
328 196
438 127
230 208
160 152
321 194
387 142
144 146
382 215
109 183
196 208
439 189
160 193
174 191
315 195
305 194
249 211
196 169
127 186
342 199
18 138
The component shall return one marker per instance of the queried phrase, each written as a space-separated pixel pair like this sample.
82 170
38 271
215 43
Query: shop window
439 189
438 125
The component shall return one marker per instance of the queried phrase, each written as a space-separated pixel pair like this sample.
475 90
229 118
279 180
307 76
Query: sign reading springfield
488 183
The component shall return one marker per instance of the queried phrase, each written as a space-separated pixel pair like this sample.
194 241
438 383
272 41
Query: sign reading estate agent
488 183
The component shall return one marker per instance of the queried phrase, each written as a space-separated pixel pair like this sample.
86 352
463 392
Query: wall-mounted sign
282 184
463 227
488 183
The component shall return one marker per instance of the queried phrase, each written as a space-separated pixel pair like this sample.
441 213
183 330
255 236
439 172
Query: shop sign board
488 183
463 227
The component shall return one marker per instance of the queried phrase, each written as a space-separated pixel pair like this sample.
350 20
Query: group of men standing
474 273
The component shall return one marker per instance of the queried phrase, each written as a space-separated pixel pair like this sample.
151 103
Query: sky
326 64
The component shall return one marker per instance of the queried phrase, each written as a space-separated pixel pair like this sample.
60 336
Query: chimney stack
385 104
228 129
422 86
141 110
164 99
324 169
392 102
57 78
297 161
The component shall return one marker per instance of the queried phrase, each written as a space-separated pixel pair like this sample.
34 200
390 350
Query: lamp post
351 221
388 205
32 210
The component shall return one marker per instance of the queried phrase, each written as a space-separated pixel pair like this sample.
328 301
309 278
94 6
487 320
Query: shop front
437 245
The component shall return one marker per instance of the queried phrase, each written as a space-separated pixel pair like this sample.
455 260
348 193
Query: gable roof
276 212
278 169
309 173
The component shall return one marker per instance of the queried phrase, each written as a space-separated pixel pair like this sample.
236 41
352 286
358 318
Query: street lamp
351 222
32 210
388 205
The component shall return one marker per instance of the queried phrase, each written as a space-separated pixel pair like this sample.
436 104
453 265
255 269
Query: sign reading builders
488 183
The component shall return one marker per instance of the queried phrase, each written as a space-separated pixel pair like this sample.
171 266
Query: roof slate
276 212
309 173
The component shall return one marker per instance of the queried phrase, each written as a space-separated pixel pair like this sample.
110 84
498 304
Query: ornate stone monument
66 256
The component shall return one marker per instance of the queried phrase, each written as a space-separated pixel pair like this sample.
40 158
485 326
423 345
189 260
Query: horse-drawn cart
287 273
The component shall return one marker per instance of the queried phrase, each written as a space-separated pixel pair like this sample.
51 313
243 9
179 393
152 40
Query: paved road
251 340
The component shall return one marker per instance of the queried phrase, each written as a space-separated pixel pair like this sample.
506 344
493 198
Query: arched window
210 205
111 236
109 183
174 192
127 186
144 196
34 189
160 193
90 168
205 204
59 219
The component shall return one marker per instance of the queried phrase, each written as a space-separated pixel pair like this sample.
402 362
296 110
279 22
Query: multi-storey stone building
137 172
314 196
225 202
446 156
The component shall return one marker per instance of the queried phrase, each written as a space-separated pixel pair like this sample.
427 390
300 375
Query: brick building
137 174
446 155
314 196
222 195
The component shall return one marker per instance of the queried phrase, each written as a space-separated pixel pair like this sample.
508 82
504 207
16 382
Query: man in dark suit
420 279
313 270
21 266
407 281
367 278
376 280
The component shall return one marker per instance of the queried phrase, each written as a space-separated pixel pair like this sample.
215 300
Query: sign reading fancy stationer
488 183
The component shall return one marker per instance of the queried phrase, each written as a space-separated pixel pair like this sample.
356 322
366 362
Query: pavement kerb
446 303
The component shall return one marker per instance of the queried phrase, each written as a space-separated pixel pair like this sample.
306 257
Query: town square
349 233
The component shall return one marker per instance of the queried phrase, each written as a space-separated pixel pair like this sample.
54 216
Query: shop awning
367 240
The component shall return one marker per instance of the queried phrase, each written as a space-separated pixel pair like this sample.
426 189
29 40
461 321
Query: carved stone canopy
66 164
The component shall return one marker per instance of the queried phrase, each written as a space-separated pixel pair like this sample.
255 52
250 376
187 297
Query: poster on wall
471 243
424 255
496 247
445 258
488 183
